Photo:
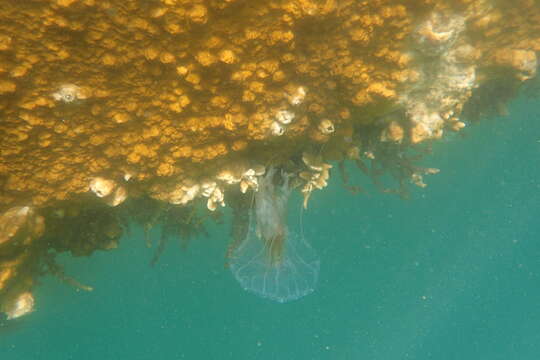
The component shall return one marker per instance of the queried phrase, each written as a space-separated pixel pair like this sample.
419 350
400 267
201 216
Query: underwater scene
269 179
452 273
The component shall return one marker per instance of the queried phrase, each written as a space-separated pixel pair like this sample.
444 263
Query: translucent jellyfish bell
292 275
270 261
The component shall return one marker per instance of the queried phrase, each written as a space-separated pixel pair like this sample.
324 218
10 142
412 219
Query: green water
453 273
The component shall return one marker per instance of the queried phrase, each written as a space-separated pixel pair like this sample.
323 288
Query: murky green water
453 273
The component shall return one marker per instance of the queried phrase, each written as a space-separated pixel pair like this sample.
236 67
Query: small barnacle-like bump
227 56
207 188
440 29
191 190
277 129
217 197
102 187
22 305
182 70
285 117
68 93
457 125
198 14
227 177
182 193
249 173
244 186
447 114
205 58
326 126
319 180
316 177
150 53
249 178
193 78
314 162
174 197
118 196
12 221
418 180
166 58
120 117
298 97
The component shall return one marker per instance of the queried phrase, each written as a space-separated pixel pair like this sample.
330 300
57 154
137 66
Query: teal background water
453 273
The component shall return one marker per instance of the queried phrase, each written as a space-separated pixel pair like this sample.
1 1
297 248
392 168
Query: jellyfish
269 260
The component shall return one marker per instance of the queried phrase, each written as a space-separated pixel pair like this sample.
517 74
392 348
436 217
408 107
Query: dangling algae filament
269 260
